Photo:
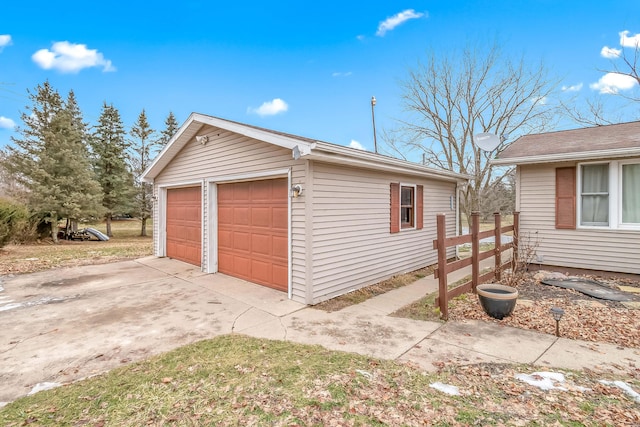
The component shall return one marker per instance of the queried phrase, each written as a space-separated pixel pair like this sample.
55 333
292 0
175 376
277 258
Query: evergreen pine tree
109 152
144 147
171 127
51 159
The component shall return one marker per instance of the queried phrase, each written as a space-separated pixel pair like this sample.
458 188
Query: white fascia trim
181 184
388 165
249 176
554 158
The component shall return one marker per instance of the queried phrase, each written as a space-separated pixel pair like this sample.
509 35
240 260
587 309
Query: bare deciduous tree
450 98
599 109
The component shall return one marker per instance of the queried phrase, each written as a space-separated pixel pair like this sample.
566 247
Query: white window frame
615 196
415 206
629 225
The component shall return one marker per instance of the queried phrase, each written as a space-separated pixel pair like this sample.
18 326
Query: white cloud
573 88
626 41
612 83
270 108
71 58
539 100
610 52
357 145
360 37
397 19
6 123
5 40
338 74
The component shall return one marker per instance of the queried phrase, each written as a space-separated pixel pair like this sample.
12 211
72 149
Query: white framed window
609 194
407 206
630 194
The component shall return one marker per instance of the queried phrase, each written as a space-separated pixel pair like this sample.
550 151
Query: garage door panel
279 247
261 270
225 239
261 244
258 250
184 224
241 216
279 215
261 191
242 265
241 241
261 217
225 214
280 275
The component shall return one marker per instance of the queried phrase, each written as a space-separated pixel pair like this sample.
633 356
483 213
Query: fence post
442 267
516 237
497 245
475 250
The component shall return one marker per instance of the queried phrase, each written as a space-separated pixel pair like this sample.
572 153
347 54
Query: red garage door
252 231
184 224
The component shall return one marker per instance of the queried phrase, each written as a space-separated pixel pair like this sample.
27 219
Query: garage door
184 224
252 231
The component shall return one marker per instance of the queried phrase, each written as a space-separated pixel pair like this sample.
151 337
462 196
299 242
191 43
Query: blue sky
304 68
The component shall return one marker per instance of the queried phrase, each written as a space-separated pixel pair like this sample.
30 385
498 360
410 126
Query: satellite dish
486 141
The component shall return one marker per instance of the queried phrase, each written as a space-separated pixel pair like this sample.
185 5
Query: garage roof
619 140
304 147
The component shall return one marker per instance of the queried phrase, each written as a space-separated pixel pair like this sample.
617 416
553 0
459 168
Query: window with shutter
566 198
407 207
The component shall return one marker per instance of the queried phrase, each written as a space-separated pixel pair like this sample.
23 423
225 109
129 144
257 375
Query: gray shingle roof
601 141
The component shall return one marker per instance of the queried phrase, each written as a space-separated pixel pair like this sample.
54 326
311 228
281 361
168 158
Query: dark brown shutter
566 197
419 207
395 207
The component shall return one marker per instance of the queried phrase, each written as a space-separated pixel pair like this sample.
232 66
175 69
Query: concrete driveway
62 325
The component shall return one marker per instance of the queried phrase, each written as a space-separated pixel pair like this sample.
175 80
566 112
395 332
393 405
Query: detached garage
309 218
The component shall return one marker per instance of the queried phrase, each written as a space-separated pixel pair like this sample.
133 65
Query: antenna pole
373 120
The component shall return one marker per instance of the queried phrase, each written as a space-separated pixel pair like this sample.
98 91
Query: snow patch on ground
42 387
446 388
543 380
624 387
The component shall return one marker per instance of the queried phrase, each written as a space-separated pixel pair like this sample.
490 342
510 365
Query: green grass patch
238 380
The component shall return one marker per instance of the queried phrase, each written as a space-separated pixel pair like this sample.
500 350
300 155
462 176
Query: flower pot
497 300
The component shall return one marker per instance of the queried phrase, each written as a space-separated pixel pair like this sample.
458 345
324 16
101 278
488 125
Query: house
306 217
579 190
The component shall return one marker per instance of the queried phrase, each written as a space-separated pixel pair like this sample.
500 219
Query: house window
630 193
407 206
594 195
608 194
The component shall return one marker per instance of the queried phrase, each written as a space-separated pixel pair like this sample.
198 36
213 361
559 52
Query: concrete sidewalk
367 329
65 324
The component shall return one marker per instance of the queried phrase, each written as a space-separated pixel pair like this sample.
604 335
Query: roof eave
564 157
346 156
196 121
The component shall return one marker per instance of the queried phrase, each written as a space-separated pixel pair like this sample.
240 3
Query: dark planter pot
498 301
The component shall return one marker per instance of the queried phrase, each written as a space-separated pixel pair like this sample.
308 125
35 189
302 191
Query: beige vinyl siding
596 249
226 153
352 245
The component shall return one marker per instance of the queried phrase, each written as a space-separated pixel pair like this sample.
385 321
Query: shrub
15 223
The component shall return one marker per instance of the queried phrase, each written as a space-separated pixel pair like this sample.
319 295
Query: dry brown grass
125 244
363 294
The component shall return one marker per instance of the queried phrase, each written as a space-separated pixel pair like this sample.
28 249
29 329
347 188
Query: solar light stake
557 314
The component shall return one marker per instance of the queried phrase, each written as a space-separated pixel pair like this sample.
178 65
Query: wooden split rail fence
442 243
